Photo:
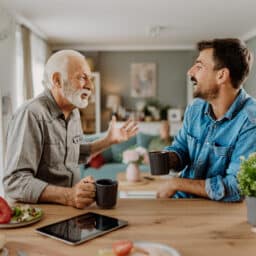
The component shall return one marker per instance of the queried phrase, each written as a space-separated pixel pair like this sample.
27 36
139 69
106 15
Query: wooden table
145 188
193 227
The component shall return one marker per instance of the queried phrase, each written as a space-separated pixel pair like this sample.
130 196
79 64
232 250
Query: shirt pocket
222 151
220 159
51 154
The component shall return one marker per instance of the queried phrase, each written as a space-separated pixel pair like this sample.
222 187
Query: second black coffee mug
106 193
159 162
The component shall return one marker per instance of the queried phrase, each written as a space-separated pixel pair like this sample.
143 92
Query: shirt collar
52 104
234 108
54 107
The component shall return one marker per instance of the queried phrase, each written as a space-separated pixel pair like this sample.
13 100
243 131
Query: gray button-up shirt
42 148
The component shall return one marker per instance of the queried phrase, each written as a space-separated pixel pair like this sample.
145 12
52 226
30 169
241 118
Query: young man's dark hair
231 54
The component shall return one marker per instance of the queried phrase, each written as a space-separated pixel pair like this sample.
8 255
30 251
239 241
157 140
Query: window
19 68
39 54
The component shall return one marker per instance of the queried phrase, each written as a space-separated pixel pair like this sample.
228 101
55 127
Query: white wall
251 81
7 77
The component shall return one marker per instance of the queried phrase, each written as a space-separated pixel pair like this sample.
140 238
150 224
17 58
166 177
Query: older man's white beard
75 96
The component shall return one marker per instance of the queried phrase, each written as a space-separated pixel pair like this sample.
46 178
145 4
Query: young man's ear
56 79
223 75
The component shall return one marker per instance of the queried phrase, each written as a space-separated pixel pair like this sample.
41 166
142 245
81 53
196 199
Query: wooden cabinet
91 115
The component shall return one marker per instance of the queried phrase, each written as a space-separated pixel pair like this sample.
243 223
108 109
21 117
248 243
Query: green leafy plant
247 175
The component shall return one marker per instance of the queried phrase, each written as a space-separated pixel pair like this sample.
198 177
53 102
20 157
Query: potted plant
247 185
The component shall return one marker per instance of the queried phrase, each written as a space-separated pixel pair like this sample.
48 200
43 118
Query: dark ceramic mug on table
159 162
106 193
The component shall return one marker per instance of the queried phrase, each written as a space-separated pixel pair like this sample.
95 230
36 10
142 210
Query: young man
45 135
219 126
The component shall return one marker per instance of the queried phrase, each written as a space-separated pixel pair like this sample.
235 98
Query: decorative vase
133 172
251 209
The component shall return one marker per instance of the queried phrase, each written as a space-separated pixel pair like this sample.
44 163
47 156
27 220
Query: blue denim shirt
210 149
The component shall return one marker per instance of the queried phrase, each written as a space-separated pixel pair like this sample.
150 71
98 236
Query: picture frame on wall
175 114
143 80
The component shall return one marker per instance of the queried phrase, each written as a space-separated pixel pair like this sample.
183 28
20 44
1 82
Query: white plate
164 250
23 223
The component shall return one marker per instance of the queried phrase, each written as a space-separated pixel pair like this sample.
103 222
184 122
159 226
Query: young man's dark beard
209 94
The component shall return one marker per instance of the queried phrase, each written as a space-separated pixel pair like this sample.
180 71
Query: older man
219 126
45 135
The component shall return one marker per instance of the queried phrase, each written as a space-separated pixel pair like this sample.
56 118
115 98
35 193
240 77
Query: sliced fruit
122 247
5 211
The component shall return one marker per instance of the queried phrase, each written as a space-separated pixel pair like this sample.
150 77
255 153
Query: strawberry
5 211
122 248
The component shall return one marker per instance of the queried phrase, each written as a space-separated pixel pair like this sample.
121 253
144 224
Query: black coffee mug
159 162
106 193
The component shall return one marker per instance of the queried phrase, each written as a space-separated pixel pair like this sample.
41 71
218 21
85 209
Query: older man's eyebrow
87 76
199 62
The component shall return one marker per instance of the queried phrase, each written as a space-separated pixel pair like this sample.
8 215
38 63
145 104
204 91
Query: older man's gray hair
58 62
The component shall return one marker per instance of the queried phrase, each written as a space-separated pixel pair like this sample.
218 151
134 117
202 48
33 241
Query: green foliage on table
23 213
247 176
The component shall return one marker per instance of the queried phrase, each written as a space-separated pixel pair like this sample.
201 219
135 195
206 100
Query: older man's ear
56 79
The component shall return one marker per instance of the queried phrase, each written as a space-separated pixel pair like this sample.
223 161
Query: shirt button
207 143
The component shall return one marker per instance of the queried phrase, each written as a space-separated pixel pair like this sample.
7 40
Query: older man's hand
83 193
117 135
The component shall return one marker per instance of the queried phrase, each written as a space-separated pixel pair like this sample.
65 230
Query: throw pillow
97 161
144 139
107 155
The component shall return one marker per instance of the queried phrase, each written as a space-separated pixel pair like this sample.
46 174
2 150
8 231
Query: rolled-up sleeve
226 188
24 150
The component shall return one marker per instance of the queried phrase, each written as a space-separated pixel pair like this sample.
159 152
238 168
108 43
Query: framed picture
175 114
143 80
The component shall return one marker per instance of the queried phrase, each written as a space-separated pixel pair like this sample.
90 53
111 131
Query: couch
113 157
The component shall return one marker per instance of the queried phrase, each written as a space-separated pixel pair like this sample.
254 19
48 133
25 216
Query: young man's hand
174 184
168 189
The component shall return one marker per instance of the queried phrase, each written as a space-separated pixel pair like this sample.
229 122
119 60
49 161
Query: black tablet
81 228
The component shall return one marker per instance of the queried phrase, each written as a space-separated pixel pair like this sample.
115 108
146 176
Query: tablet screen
81 228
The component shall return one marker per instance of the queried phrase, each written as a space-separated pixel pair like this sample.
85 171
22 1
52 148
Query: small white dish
157 248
